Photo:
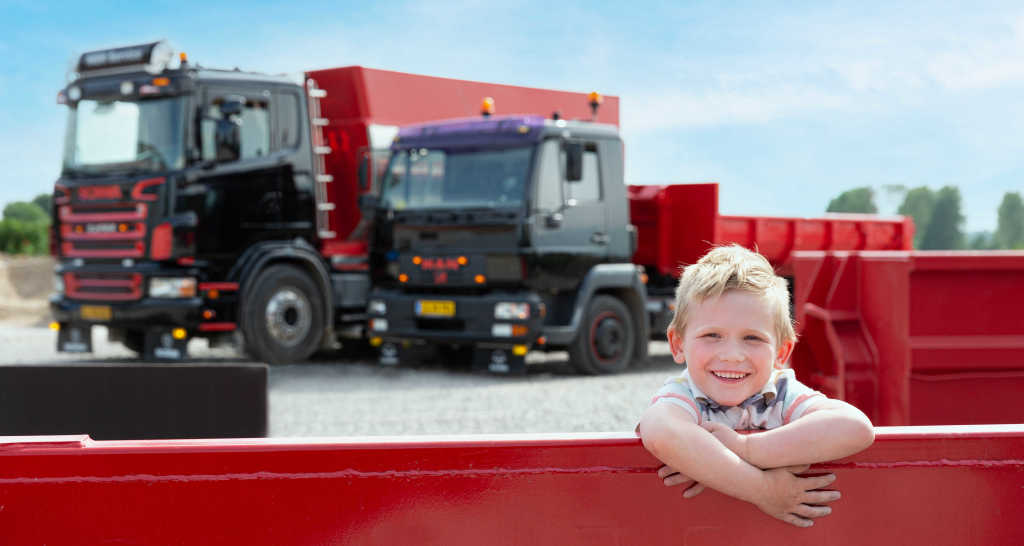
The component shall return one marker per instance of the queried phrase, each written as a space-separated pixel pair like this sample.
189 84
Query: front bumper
139 314
472 322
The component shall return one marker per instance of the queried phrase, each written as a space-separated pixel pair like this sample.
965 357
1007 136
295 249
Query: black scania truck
497 236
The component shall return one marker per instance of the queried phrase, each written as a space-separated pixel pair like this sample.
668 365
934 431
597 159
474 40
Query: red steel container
678 223
916 486
914 338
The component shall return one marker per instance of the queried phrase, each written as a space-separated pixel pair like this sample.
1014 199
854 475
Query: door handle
599 238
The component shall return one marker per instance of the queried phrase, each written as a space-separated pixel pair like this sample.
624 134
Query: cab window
254 130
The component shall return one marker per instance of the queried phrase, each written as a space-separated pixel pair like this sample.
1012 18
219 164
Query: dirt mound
25 286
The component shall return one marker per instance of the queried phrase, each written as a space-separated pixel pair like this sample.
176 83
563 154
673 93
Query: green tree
24 211
918 204
855 200
945 228
44 201
1010 229
981 240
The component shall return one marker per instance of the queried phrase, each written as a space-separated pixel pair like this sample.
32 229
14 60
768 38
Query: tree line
25 227
938 221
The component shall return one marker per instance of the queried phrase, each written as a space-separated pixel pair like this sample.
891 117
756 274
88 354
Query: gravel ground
332 397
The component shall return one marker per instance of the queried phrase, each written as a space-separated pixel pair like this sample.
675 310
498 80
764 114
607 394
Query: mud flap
498 360
161 345
74 339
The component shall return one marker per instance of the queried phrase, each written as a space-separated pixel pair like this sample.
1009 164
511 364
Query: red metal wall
916 338
678 223
931 486
358 97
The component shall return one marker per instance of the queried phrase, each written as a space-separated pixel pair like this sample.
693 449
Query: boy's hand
736 442
671 477
793 499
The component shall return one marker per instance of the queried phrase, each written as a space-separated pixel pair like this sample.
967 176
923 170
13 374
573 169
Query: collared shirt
782 400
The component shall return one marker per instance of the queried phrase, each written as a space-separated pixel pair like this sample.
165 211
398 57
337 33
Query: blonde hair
733 268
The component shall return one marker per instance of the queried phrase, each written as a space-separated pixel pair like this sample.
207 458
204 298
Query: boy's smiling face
730 346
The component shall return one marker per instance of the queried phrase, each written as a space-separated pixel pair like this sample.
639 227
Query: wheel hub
608 338
288 316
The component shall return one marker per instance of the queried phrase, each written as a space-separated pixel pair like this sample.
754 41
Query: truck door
238 200
569 218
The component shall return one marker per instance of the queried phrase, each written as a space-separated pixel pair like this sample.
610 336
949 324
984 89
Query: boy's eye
754 338
711 334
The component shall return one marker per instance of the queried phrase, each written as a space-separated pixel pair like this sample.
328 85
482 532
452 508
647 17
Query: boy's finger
821 497
817 482
693 491
798 469
808 511
794 519
676 479
666 471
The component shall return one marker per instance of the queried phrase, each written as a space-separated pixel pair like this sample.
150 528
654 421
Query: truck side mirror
227 140
227 134
364 171
574 161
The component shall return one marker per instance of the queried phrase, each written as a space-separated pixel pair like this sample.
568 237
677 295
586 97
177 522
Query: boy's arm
672 435
829 430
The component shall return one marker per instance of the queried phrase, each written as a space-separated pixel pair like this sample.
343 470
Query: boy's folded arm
672 435
828 430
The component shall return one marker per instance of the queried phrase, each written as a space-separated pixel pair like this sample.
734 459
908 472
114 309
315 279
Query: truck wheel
606 338
282 319
134 340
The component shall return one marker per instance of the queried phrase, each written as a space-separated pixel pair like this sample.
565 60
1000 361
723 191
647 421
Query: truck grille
103 286
103 231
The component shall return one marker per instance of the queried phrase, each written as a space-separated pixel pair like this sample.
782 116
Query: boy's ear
785 350
675 343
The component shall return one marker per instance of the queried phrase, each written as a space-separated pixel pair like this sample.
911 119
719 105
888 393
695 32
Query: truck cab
504 234
171 173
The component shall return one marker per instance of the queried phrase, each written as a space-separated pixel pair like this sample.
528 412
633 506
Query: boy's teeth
730 375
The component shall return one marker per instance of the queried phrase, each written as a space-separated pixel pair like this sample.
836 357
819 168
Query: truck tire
282 318
134 340
606 339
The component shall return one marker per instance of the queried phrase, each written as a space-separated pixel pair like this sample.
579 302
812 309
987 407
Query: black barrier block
130 402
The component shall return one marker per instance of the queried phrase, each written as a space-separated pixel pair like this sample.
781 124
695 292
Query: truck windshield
422 178
134 136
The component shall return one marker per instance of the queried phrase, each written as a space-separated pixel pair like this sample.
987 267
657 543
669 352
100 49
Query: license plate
95 312
435 308
101 228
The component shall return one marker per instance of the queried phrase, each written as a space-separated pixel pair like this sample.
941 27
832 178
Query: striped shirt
782 400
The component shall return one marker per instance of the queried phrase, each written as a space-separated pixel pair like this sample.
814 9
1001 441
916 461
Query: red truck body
914 338
359 99
678 223
915 486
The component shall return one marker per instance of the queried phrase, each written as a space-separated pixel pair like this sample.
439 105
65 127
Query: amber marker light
487 106
519 330
183 57
161 81
519 350
178 333
462 260
595 98
79 229
376 341
208 314
542 340
122 227
213 294
55 326
416 260
403 278
480 279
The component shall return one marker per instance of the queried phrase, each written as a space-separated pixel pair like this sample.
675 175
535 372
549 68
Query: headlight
172 287
379 307
511 311
58 284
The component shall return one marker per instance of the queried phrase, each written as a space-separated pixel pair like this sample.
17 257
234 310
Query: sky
784 104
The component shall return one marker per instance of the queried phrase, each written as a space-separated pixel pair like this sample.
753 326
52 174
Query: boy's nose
732 353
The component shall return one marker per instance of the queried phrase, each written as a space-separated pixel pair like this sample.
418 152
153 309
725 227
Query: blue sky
784 104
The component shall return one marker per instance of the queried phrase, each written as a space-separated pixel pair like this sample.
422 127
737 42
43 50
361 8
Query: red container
914 338
678 223
930 487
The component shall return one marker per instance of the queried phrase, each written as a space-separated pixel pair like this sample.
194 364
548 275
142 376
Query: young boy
733 331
